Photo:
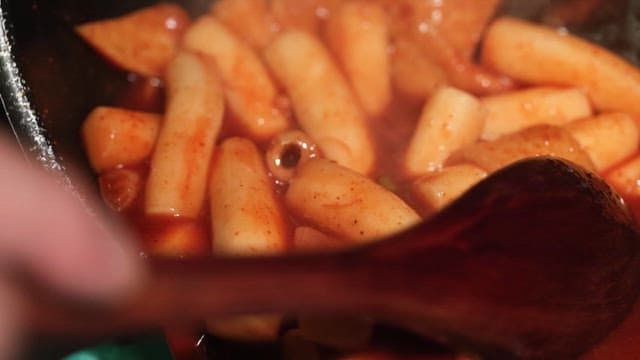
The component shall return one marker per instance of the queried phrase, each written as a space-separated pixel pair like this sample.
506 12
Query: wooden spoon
539 261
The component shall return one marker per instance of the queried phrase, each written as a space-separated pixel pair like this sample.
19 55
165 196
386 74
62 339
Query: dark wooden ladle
539 261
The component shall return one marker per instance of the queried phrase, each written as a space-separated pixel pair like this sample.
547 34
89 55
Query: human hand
48 233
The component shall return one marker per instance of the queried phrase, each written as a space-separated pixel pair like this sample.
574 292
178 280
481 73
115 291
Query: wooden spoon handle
186 291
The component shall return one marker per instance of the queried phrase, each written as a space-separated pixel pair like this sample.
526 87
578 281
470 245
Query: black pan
50 79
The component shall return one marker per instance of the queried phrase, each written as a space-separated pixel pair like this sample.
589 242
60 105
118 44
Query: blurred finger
47 230
10 319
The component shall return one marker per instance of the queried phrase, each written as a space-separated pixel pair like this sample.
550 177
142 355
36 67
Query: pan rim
17 107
